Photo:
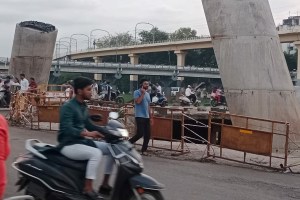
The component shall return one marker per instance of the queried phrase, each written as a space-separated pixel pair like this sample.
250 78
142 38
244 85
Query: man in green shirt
75 136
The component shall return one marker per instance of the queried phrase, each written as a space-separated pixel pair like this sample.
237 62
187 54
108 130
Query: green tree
183 33
121 39
147 36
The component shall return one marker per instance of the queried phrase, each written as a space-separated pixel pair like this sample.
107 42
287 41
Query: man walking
142 115
24 83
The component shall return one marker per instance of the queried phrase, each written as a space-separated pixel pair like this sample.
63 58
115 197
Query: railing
131 66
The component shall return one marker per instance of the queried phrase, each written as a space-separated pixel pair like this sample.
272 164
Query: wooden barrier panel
162 128
251 141
48 113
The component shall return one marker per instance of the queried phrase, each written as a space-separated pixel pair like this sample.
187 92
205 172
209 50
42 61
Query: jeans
93 155
142 130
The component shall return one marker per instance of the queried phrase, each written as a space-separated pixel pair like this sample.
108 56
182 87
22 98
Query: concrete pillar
98 59
179 81
297 44
98 77
180 58
133 82
32 50
134 59
253 70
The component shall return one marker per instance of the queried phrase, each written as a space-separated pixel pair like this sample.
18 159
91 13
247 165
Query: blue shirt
142 109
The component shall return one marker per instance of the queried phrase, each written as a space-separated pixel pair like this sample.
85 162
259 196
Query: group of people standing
11 85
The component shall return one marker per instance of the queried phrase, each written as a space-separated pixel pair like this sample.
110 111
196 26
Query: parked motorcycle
47 175
160 99
114 96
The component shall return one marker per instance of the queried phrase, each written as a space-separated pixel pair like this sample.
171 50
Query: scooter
160 99
46 174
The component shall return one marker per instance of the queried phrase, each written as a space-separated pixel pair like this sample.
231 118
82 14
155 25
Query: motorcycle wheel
213 103
120 101
150 195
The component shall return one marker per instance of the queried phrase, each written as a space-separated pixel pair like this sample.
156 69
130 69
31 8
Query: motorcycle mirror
113 115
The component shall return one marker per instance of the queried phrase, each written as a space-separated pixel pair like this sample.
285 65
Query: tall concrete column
253 70
32 51
133 82
180 58
98 59
134 59
297 44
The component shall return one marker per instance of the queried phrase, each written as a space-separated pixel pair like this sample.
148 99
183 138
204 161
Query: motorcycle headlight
123 132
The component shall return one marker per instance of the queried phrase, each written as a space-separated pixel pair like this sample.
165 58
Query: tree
147 36
121 39
183 33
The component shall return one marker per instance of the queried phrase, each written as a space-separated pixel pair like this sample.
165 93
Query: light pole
91 34
70 43
58 46
80 34
144 23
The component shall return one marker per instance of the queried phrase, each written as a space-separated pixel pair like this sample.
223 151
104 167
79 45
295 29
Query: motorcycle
114 96
214 101
160 99
46 174
191 100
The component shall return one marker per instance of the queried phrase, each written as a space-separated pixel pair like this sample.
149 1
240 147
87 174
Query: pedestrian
142 115
95 90
159 89
108 89
4 153
32 86
24 83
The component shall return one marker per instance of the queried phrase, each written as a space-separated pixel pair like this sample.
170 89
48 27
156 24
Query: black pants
142 130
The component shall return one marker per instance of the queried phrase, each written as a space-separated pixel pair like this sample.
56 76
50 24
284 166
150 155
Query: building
290 24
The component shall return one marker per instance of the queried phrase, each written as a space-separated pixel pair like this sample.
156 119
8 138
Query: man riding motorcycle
75 129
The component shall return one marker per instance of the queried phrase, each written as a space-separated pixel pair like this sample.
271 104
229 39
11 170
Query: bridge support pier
134 59
98 59
179 81
297 44
180 58
133 82
98 77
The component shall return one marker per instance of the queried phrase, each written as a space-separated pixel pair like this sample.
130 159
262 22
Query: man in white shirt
24 83
188 91
158 87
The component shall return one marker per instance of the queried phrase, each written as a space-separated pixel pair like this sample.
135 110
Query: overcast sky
81 16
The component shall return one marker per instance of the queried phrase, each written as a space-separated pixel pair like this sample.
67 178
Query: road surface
188 180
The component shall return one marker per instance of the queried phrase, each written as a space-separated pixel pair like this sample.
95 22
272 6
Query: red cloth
4 152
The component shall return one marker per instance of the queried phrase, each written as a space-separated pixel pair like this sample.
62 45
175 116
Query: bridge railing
139 43
131 66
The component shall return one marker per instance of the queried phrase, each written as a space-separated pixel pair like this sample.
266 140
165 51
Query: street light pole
70 43
144 23
91 33
78 34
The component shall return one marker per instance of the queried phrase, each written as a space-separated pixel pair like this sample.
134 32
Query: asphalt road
188 180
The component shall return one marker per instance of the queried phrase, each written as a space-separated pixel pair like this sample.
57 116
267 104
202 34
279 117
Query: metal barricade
248 135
